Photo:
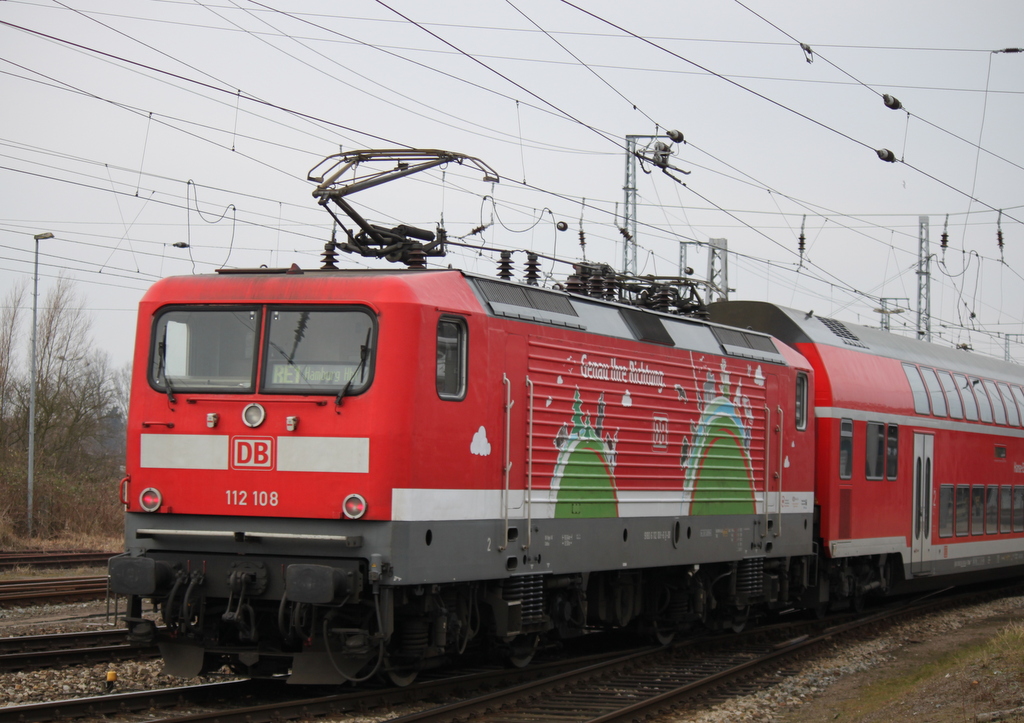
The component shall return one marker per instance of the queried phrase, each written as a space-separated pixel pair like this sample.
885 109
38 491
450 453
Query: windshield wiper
364 352
162 352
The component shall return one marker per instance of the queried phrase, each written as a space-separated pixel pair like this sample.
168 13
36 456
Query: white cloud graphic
480 446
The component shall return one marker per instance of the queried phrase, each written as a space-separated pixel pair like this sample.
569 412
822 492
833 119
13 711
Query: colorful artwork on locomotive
716 471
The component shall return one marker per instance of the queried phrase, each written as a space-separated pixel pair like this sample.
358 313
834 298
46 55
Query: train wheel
522 650
402 678
739 621
664 637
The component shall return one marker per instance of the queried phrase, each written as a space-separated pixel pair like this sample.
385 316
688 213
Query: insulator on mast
802 240
944 239
999 233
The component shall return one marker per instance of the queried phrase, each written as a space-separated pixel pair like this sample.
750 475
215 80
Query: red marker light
354 506
150 499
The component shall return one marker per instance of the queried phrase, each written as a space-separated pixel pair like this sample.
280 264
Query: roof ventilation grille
839 329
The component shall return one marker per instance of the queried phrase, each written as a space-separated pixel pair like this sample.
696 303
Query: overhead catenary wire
651 228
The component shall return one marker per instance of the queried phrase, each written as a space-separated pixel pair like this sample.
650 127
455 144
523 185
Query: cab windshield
305 351
205 350
317 351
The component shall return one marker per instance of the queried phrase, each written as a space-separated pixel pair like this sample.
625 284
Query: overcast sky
131 126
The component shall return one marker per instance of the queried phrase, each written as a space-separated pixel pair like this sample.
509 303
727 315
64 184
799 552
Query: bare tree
121 379
77 464
8 362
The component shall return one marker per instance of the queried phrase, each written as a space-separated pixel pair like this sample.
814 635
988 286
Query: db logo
660 432
252 452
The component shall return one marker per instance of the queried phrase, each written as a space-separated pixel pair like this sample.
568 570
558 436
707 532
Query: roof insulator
505 266
532 269
329 257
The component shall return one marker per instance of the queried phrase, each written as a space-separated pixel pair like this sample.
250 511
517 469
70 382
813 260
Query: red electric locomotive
332 473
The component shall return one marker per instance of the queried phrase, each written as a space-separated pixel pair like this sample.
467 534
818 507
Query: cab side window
801 401
452 342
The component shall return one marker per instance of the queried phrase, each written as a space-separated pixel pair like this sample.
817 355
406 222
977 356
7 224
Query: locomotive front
249 493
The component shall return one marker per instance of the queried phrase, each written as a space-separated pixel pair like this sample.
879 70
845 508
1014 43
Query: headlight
253 415
354 506
150 499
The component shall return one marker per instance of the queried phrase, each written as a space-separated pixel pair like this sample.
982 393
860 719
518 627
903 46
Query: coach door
924 447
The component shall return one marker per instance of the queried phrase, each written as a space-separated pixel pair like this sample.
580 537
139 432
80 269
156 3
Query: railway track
48 589
595 689
53 558
34 652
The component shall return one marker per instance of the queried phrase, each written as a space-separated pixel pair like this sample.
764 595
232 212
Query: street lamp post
32 381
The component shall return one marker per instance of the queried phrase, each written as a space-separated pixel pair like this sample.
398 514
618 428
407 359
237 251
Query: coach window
845 449
934 392
992 509
451 358
997 404
956 409
874 445
978 510
963 510
892 452
1011 407
801 401
946 511
1018 509
1005 508
917 387
1018 395
984 407
967 394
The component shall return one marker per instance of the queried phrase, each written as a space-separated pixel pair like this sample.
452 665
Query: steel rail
46 588
35 652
